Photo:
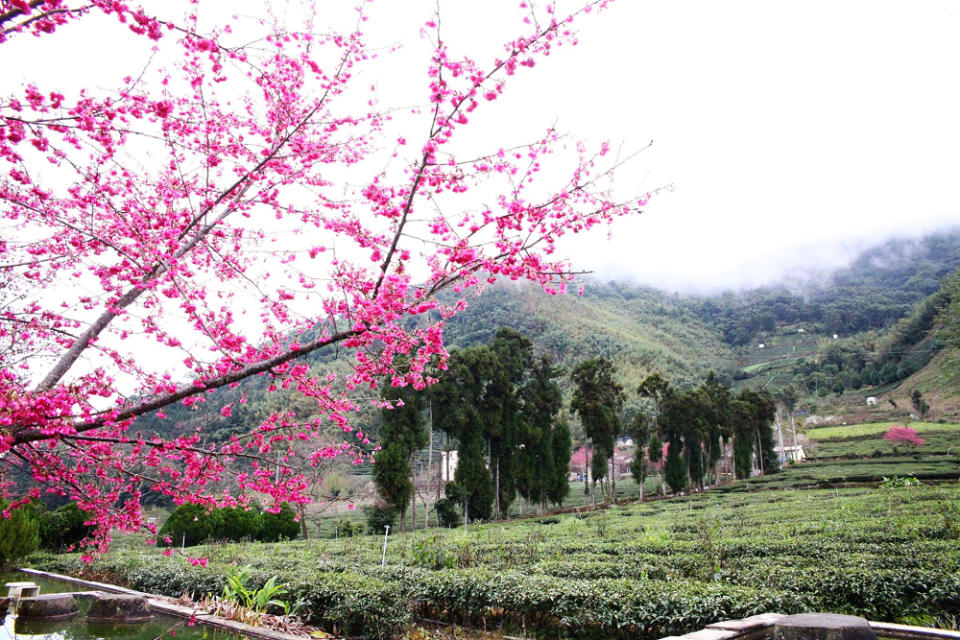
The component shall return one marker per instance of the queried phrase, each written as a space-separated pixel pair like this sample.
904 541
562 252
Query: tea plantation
639 571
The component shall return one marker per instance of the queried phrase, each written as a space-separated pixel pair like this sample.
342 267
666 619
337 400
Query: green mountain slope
863 330
640 330
884 308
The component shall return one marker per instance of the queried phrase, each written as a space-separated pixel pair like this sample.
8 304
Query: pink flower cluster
903 435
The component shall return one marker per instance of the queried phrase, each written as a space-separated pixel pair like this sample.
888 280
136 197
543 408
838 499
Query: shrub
19 534
348 528
279 526
447 513
191 524
379 516
237 523
63 528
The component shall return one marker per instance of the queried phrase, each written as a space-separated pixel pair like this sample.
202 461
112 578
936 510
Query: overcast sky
793 133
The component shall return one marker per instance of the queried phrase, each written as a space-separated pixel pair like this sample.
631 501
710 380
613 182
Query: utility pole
783 451
759 450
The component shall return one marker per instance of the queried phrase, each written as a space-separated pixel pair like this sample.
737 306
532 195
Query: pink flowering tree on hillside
899 434
238 205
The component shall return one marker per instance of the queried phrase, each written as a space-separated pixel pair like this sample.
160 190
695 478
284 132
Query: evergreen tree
753 414
561 445
458 400
391 474
641 433
472 476
674 471
743 417
718 418
19 534
402 434
505 421
598 399
543 454
919 404
655 451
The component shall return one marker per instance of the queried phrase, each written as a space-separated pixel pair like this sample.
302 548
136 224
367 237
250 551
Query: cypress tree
402 434
561 444
674 470
598 399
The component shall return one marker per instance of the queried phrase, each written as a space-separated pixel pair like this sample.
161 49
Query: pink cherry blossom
168 245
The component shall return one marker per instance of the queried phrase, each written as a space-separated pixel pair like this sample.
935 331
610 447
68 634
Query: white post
386 534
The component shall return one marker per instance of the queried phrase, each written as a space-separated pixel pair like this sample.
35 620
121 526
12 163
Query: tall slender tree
402 434
598 399
545 451
459 399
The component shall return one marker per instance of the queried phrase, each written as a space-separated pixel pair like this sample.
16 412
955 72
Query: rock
111 607
49 606
822 626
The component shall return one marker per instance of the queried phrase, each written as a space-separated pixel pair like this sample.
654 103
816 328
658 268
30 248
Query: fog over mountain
668 257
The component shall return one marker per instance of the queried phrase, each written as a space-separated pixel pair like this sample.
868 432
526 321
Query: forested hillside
886 308
862 330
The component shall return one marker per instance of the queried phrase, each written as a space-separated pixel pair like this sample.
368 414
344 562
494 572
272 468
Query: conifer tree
402 434
598 399
562 445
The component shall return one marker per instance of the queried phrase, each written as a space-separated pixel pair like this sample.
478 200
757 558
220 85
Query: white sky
792 132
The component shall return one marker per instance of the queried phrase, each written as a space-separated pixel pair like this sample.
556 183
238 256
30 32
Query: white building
791 453
448 467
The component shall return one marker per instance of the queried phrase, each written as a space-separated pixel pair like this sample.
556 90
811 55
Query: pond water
160 627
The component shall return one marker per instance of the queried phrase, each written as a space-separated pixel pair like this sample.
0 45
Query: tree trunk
759 450
642 475
426 493
496 489
586 471
301 511
613 477
413 502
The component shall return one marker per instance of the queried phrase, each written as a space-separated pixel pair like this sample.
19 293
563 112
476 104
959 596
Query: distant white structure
872 401
761 346
835 336
801 330
791 453
448 467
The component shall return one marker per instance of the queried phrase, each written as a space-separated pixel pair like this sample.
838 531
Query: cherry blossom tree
899 434
238 205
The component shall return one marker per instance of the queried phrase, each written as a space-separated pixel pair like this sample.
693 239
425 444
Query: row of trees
686 430
502 405
696 424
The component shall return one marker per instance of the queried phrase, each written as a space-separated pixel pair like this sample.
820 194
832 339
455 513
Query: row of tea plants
642 571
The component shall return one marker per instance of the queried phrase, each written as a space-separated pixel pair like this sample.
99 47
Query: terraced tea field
639 571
